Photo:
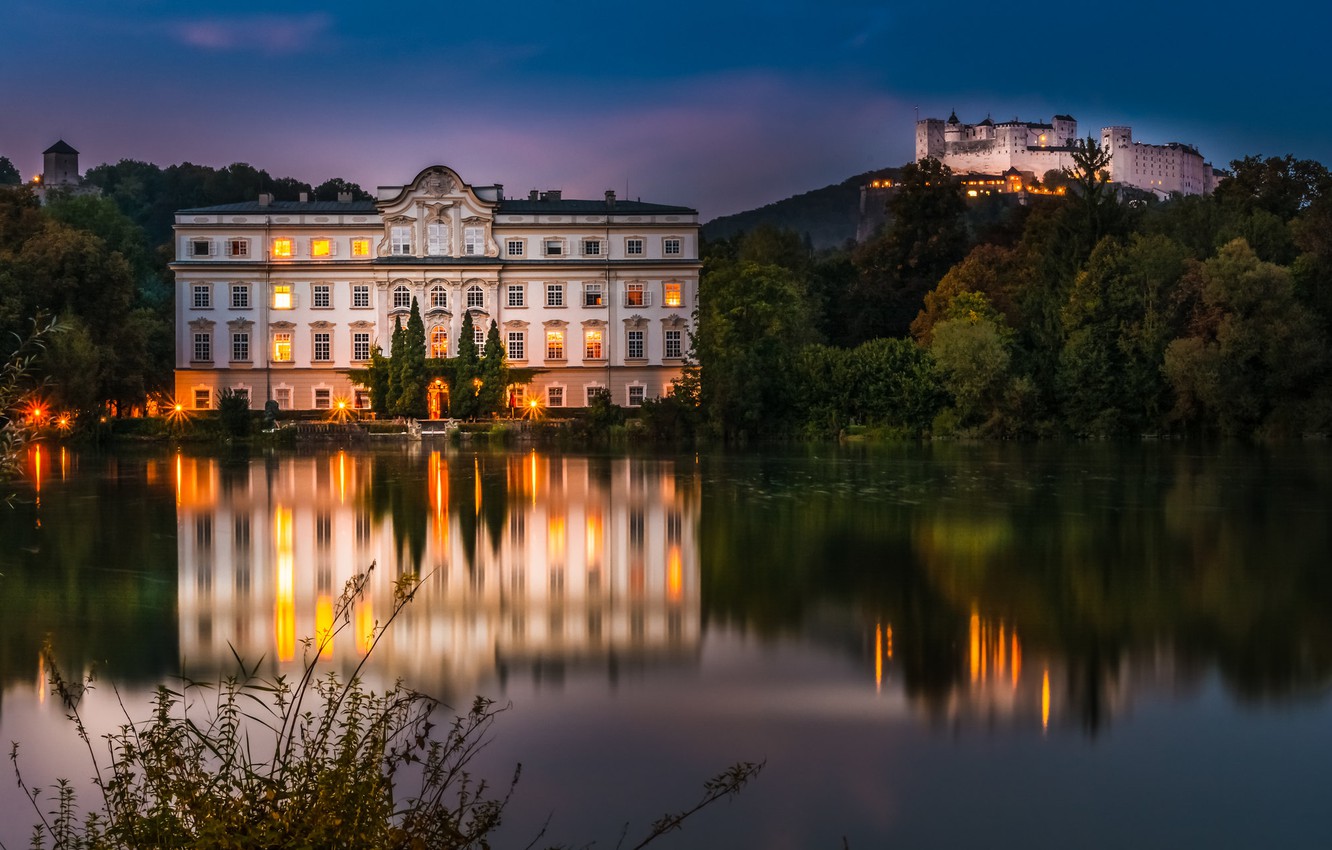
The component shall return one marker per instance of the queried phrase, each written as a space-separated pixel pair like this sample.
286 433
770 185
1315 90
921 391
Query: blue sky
720 106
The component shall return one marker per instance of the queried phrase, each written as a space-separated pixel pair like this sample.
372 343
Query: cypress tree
391 391
412 370
462 395
494 374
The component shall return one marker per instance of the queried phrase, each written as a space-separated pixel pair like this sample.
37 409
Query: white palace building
279 299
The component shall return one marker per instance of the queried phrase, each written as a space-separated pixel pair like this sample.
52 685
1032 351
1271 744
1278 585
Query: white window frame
635 246
632 390
201 296
400 240
515 345
555 395
474 241
205 393
516 295
238 247
599 352
321 347
591 391
332 248
402 297
438 296
552 247
240 296
476 296
358 291
437 239
240 346
282 395
202 350
556 348
360 247
672 246
667 337
281 337
629 344
666 293
593 248
554 294
594 294
202 247
324 395
433 348
321 292
360 346
515 248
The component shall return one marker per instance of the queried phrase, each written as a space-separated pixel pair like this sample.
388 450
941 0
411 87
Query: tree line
99 264
1099 313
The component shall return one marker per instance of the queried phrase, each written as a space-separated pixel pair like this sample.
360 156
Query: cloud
262 33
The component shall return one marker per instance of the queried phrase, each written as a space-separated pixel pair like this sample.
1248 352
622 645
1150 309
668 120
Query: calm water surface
1038 646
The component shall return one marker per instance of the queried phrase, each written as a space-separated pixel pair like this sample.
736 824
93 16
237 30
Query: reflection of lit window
321 248
592 345
282 299
672 295
282 248
282 347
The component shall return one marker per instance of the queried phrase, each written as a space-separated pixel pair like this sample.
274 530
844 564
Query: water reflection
529 562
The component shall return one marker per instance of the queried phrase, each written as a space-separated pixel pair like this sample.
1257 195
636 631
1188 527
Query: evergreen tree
411 370
462 395
494 374
391 384
377 379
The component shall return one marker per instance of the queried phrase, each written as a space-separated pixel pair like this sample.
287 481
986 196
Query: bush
234 413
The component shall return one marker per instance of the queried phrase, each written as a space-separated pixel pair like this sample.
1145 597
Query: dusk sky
720 106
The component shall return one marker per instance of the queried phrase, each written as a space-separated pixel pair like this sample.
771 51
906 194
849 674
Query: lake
1015 645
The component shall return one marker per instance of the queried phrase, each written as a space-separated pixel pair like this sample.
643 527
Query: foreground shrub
318 762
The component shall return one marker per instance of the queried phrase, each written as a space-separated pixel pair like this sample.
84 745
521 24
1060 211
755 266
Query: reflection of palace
526 560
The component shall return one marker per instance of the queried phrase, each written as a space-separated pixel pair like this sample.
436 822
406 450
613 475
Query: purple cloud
265 33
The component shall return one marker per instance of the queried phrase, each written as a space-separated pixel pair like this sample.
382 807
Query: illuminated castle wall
1035 147
585 567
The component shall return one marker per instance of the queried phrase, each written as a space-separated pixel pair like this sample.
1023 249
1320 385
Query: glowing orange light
1045 700
324 626
674 575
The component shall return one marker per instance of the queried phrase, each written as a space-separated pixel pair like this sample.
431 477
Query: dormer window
474 241
400 240
437 239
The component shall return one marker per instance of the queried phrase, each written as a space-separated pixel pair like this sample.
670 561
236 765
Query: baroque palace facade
279 299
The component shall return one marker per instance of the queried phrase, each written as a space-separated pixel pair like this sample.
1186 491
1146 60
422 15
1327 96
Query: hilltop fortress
1002 150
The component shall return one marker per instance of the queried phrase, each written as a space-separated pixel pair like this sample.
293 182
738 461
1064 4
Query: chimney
265 199
305 197
551 195
610 198
499 191
532 195
344 197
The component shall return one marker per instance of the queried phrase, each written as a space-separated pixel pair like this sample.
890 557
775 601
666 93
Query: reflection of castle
579 565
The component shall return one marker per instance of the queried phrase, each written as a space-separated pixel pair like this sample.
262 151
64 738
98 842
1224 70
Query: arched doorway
438 398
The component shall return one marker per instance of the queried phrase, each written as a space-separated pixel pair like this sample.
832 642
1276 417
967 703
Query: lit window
361 345
674 344
360 247
554 396
592 247
476 296
439 298
202 296
479 334
554 247
321 248
323 295
282 248
282 347
201 247
514 350
323 347
323 399
203 399
554 345
633 247
670 247
439 342
282 395
671 297
203 347
240 296
635 295
402 298
514 247
240 347
554 295
637 393
361 295
437 238
282 297
474 241
633 349
592 345
592 295
517 295
238 247
400 240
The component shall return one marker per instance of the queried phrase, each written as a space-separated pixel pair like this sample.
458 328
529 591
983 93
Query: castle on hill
1033 148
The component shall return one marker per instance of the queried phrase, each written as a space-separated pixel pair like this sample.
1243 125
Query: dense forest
1087 315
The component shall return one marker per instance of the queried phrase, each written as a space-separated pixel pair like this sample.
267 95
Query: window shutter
212 247
333 247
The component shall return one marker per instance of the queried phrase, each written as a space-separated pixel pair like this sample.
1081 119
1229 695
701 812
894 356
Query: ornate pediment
438 182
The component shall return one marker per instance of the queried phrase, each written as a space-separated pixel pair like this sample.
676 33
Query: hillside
827 216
